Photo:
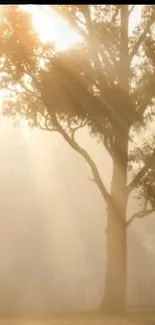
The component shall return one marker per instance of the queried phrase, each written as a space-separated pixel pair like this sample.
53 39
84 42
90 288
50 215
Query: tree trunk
115 284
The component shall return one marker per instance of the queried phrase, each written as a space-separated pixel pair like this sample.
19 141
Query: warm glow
135 17
53 28
1 101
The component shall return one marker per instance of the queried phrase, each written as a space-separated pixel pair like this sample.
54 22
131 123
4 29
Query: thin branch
71 141
17 92
80 21
29 91
147 99
96 175
92 180
141 39
71 19
45 122
73 130
86 156
107 147
13 91
95 48
131 9
141 173
139 215
46 128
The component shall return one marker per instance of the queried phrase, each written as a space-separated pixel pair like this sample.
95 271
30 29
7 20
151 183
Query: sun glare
134 17
52 28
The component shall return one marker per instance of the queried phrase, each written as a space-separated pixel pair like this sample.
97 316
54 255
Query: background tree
97 84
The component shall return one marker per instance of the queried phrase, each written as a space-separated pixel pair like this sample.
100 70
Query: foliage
84 85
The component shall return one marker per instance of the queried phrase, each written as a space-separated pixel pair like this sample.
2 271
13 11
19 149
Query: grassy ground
136 318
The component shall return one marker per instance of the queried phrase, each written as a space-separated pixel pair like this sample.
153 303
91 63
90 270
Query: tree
97 84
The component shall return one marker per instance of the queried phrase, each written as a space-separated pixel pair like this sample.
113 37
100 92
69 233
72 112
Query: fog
53 226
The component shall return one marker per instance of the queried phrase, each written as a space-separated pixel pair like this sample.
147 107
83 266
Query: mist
53 227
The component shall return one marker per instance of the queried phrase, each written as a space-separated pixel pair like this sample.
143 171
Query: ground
140 318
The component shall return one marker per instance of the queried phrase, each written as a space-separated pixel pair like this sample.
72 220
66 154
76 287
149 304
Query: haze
53 245
53 218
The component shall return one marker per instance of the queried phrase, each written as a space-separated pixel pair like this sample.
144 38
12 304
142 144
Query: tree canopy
85 85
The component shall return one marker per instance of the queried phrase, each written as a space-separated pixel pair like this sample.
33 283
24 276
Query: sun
53 28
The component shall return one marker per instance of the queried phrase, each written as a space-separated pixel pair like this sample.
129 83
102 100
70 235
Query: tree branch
139 215
86 156
96 175
145 94
141 39
73 130
141 173
79 20
71 19
46 127
131 9
95 48
92 180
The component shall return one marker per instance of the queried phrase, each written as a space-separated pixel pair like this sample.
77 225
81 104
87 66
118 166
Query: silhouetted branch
45 128
131 9
107 146
29 91
46 125
92 179
13 91
139 215
71 19
95 47
80 21
141 173
86 156
141 39
145 94
73 130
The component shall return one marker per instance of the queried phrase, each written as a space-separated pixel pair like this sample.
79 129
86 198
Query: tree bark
115 282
